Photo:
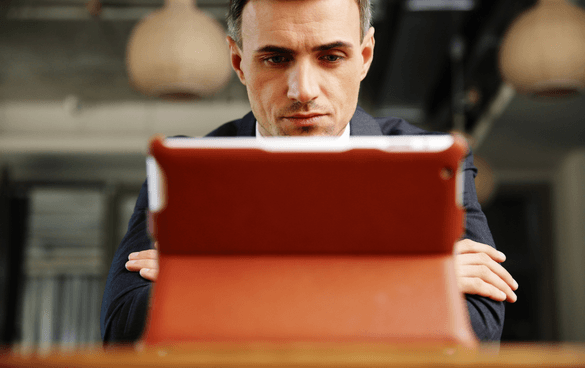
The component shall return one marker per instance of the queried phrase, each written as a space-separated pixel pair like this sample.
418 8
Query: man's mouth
305 119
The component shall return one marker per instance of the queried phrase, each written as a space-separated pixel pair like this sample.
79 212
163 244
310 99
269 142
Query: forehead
300 21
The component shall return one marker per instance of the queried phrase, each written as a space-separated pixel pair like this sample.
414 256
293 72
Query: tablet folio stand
351 246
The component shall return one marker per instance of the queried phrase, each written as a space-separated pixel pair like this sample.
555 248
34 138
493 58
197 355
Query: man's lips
305 119
303 116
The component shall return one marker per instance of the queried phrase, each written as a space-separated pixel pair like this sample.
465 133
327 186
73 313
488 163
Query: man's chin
311 131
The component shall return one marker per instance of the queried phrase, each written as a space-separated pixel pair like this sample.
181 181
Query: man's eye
332 58
276 59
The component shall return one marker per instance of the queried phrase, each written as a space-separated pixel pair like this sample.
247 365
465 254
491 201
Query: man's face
302 63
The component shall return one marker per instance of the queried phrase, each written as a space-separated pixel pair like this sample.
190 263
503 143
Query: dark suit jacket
125 301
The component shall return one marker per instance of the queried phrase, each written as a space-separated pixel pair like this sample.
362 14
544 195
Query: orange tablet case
307 246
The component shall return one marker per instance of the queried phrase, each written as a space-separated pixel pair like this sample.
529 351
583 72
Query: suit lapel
247 126
363 124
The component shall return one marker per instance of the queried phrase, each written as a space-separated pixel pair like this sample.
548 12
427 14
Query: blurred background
73 138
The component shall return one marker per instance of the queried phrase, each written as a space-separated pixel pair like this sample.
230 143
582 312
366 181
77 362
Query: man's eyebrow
274 50
333 45
284 50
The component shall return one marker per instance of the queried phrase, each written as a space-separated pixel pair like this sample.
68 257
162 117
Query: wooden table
304 355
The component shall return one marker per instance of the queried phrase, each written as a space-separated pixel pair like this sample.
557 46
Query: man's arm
476 266
126 296
486 314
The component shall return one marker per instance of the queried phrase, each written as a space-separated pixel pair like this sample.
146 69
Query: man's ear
367 52
236 59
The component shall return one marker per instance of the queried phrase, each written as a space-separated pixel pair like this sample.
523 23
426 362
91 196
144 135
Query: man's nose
302 83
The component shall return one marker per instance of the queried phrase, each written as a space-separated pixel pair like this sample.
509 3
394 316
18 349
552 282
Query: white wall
70 127
569 189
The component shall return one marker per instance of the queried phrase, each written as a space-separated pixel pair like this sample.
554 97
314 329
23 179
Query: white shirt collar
344 135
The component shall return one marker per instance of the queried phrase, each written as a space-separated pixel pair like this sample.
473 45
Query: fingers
481 280
137 265
478 273
145 254
149 273
481 259
145 262
469 246
476 286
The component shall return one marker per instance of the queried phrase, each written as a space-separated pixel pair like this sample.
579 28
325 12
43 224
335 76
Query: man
302 62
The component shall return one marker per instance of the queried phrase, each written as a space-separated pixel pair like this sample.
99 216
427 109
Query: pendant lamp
485 181
178 52
543 51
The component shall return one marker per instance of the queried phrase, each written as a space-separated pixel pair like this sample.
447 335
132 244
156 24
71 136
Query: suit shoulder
239 127
398 126
229 129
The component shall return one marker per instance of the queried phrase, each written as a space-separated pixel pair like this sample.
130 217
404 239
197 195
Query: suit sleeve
126 296
486 315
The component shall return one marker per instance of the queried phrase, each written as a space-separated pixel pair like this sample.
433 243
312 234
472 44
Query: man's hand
144 262
477 267
478 271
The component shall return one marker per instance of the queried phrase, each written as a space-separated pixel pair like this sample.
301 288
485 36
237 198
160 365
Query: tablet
307 239
371 195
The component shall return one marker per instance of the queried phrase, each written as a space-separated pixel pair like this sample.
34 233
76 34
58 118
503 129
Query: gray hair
236 7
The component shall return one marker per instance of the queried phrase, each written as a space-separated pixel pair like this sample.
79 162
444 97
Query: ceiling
50 49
